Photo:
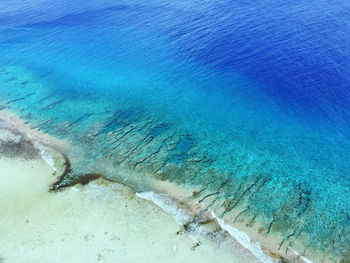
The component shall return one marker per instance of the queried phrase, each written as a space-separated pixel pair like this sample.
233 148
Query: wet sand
101 221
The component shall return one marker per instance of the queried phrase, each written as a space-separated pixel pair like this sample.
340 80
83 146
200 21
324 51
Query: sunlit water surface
248 100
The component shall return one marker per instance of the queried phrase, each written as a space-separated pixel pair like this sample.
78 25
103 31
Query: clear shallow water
249 101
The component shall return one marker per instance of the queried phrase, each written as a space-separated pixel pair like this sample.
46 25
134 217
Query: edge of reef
188 211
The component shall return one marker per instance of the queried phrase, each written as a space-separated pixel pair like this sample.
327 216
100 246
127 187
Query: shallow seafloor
100 221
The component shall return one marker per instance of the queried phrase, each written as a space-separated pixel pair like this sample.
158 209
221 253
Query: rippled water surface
247 101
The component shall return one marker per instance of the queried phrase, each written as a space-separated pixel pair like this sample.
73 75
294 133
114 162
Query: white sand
100 222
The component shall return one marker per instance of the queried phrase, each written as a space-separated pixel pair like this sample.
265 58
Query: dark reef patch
18 149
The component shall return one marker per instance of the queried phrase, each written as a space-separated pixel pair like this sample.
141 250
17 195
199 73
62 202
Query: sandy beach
237 238
101 221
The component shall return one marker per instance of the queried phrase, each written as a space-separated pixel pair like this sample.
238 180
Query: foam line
181 216
303 258
244 240
47 157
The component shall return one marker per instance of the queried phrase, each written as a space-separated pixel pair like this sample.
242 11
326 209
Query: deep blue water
250 93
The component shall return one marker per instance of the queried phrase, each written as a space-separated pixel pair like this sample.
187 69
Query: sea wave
168 205
244 240
47 157
182 217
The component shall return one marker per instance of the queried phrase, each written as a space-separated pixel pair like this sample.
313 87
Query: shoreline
174 192
37 221
262 248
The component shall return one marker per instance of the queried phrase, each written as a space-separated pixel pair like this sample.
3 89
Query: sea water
248 102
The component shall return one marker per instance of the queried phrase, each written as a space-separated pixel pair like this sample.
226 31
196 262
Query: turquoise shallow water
249 103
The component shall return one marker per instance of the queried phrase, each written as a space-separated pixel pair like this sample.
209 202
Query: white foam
75 189
244 240
182 217
164 201
47 157
303 258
